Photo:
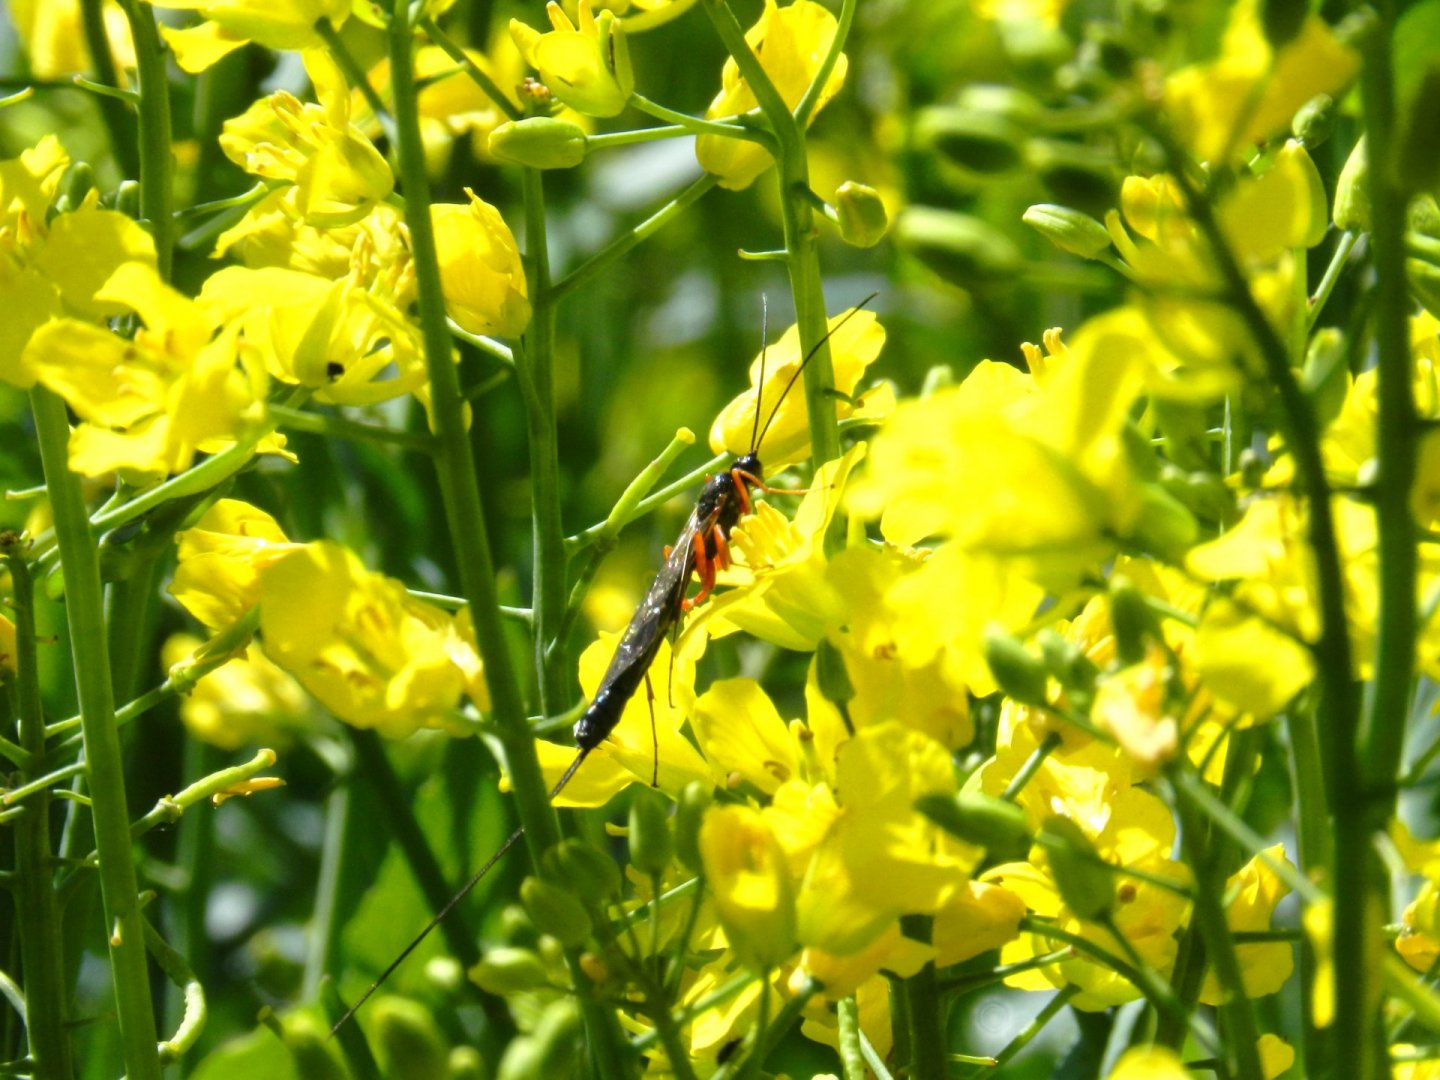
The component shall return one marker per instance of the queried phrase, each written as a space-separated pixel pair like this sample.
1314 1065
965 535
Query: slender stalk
460 491
83 604
1362 892
852 1058
477 74
536 370
340 427
37 914
157 166
924 1010
695 125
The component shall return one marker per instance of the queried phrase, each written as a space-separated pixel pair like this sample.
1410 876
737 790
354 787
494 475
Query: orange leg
743 480
722 550
706 569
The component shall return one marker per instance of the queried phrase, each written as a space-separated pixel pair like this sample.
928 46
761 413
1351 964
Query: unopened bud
994 824
961 249
1163 526
1326 376
549 1050
831 674
979 142
408 1043
1086 883
861 214
1315 121
1019 673
1130 619
507 970
1069 230
541 142
591 871
1352 194
695 799
555 911
651 843
75 186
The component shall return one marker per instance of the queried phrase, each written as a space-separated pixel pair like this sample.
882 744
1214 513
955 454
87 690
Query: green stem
476 73
1027 1034
852 1058
1332 276
339 427
1369 789
324 927
725 129
118 121
924 1010
536 370
805 111
355 75
83 603
611 252
157 166
37 914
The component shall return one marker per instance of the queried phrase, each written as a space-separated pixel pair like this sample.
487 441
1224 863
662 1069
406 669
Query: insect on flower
701 550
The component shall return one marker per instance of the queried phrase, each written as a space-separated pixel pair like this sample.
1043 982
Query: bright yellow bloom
229 24
147 406
853 348
1318 919
1252 892
750 884
247 702
1249 93
1134 705
586 66
54 37
8 659
791 43
55 267
481 274
220 559
1149 1063
337 174
358 642
1046 12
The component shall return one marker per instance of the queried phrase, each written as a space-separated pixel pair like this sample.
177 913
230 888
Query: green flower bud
465 1064
1315 121
994 824
127 199
689 812
861 213
1076 175
1352 195
1325 376
75 186
555 911
1086 883
1020 674
651 843
541 142
1130 619
983 143
1067 663
1203 492
547 1051
939 377
961 249
1281 20
1163 525
310 1047
1069 230
506 970
408 1044
592 872
831 674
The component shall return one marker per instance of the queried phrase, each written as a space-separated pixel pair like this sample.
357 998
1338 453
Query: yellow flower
337 175
853 348
1250 92
587 67
8 659
229 24
1133 705
1252 892
220 558
54 37
249 701
1318 919
481 274
358 642
791 43
348 343
147 406
53 267
1149 1063
750 884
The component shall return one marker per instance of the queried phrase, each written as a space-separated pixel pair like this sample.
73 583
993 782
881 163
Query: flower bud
1066 662
689 813
1352 194
651 843
1163 525
592 872
77 183
313 1053
541 142
1130 619
863 221
831 674
1086 883
994 824
1325 376
1018 672
1315 121
127 198
555 911
749 876
1077 175
507 970
1281 20
984 143
961 249
408 1044
465 1064
1069 230
549 1050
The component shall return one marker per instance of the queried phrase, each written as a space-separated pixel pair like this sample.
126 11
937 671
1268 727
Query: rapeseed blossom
584 65
229 24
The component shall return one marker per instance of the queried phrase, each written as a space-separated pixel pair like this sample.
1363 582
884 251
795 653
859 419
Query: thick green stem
536 370
460 490
1362 892
37 914
157 166
83 603
118 121
924 1010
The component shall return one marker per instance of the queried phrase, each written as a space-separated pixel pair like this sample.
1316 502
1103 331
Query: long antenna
450 904
760 384
814 349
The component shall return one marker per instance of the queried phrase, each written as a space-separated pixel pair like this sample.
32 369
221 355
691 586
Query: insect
702 549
